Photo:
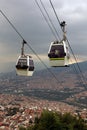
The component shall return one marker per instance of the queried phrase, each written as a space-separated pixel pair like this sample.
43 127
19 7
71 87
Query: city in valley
16 111
22 99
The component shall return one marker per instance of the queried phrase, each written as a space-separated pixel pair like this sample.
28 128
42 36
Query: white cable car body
58 54
24 64
58 51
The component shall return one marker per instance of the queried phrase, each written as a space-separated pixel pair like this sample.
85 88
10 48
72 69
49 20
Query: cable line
46 20
79 77
31 48
50 20
11 24
55 12
46 67
82 76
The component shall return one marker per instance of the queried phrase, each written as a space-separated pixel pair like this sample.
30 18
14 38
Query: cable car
58 51
58 54
25 64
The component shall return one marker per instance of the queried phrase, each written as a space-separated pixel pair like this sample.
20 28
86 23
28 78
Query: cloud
27 18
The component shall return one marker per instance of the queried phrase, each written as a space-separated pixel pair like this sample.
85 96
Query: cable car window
57 51
31 63
22 62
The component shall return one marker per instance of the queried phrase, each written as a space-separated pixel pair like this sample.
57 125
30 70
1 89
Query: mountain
61 84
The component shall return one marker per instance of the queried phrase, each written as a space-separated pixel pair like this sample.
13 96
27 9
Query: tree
12 111
22 128
48 121
54 121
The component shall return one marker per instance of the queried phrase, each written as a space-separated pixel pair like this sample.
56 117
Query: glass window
31 63
57 51
22 62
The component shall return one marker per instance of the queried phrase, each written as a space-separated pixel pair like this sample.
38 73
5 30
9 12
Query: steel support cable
79 77
11 24
69 45
82 76
55 12
50 20
46 20
46 66
30 47
50 29
48 15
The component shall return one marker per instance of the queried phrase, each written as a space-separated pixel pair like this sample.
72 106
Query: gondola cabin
25 65
58 54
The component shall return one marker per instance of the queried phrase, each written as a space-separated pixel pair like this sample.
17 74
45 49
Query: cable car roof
57 42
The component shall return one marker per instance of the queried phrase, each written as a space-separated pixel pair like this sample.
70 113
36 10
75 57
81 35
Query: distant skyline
27 18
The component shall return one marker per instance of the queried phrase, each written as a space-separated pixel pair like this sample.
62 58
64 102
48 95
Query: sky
28 20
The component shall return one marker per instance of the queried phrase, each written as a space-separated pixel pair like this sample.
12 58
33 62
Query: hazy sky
27 18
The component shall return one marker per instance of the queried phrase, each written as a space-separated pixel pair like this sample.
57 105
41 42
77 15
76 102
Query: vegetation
54 121
12 111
